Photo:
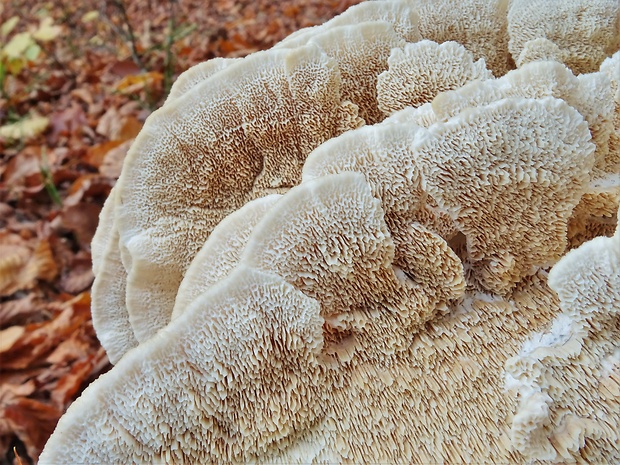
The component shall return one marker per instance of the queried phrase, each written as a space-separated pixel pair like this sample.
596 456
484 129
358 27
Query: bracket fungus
308 261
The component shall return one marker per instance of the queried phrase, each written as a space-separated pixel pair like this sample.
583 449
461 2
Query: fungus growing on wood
584 32
420 71
477 167
229 140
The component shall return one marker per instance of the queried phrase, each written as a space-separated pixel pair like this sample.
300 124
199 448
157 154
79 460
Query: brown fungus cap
419 71
328 238
238 135
568 377
220 254
247 373
383 153
585 32
509 174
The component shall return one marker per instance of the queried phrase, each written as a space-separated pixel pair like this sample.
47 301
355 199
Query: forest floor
77 81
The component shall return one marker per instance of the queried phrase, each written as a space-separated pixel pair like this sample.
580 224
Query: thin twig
126 34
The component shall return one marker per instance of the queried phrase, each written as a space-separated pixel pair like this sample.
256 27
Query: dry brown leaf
113 160
41 338
81 220
95 154
87 185
22 264
10 336
80 275
32 421
18 311
71 382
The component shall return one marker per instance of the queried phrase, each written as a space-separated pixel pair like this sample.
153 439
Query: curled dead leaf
22 262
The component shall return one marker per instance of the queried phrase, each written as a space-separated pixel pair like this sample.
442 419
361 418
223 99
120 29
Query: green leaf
8 26
32 52
90 16
16 47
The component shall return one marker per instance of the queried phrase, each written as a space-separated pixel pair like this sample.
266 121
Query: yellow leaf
17 45
47 30
24 129
15 65
90 16
8 26
137 82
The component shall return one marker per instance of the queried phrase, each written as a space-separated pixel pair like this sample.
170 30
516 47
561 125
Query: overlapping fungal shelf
381 241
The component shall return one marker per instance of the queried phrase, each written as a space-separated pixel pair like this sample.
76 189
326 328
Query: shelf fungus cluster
391 238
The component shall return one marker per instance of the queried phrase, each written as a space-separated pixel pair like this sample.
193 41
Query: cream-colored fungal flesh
281 281
108 307
361 52
109 312
220 254
478 25
478 165
420 71
248 136
584 33
399 13
577 357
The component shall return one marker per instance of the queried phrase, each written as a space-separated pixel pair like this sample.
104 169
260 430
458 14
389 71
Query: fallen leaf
90 16
32 421
23 262
81 220
18 44
137 82
80 275
9 336
113 160
8 26
40 339
25 129
67 122
124 68
71 382
95 154
18 311
47 30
